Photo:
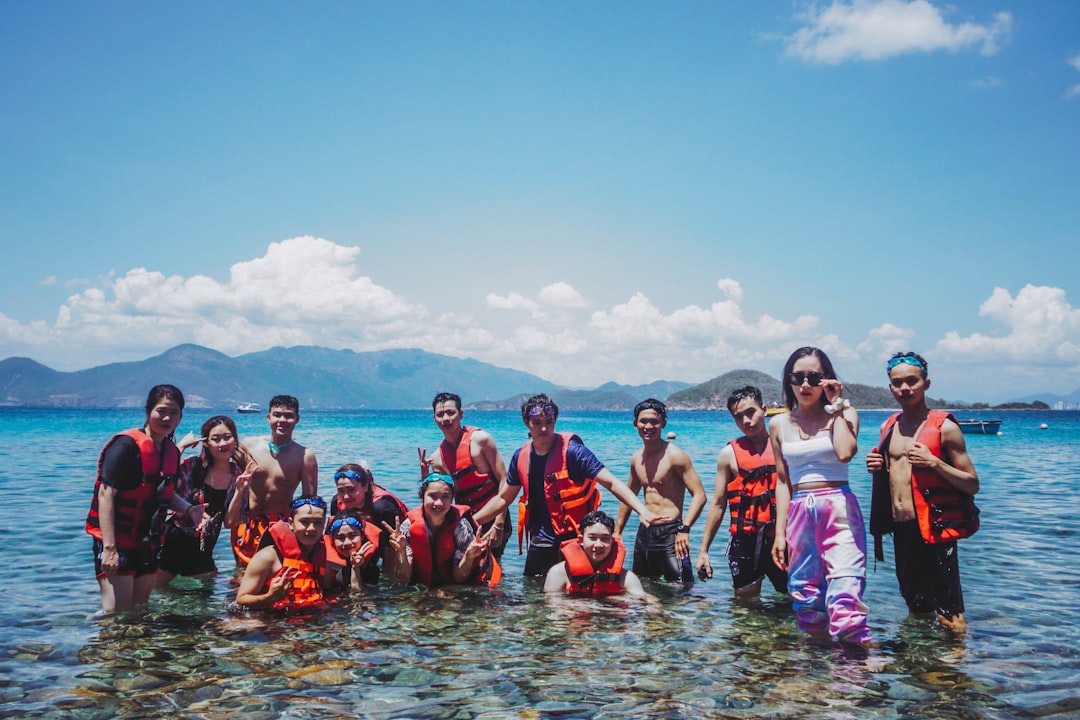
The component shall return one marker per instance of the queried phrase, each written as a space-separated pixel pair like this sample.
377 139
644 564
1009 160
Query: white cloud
731 288
986 83
880 29
47 281
1038 327
1073 90
561 295
884 340
513 301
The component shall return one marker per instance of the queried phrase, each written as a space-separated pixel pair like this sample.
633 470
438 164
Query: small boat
248 407
979 427
775 409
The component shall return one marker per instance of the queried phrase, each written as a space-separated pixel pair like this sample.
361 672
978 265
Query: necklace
275 449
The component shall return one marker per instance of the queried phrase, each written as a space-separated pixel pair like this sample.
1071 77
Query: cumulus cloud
1074 90
513 301
1038 326
47 281
561 295
880 29
304 290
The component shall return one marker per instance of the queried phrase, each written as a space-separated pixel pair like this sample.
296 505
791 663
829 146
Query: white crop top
813 460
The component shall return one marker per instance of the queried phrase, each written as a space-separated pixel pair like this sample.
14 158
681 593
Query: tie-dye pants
827 555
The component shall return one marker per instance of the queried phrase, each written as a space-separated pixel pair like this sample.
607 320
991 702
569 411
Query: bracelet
840 405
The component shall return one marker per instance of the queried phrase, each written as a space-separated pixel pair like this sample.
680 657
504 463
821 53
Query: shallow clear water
472 653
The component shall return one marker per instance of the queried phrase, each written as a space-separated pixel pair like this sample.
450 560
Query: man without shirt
923 446
477 468
749 487
284 465
559 477
666 473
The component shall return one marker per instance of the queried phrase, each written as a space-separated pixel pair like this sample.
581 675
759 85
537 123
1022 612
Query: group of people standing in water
784 485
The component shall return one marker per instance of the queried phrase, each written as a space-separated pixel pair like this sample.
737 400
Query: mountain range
343 379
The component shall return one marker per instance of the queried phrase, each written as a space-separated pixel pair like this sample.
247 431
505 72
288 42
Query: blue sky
587 191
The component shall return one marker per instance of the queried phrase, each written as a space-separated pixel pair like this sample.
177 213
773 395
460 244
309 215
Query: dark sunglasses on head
350 474
814 378
541 410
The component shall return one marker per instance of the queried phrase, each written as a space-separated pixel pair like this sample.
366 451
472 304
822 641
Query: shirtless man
666 473
745 480
477 467
284 465
923 449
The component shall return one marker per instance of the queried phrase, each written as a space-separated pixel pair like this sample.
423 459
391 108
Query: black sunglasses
814 378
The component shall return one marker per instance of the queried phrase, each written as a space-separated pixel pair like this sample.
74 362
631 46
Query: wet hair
162 392
651 404
747 391
826 368
446 397
313 500
436 477
597 516
906 357
538 402
285 401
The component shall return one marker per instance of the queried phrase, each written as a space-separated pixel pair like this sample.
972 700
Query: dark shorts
654 554
180 554
750 559
541 559
132 562
929 575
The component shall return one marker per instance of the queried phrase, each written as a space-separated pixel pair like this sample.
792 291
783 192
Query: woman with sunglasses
820 536
359 496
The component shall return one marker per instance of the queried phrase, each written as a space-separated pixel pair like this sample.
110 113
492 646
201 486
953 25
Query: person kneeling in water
594 562
292 572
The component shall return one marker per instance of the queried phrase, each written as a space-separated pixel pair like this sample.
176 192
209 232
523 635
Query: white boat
248 407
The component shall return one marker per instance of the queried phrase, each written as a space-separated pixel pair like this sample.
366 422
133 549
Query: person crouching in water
594 562
351 545
359 496
437 543
292 572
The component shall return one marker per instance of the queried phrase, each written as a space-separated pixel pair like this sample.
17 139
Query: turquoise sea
473 653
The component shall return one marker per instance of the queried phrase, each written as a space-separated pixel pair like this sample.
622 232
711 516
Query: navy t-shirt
580 464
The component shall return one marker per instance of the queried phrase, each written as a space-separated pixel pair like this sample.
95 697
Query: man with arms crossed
469 455
924 483
666 473
284 465
745 481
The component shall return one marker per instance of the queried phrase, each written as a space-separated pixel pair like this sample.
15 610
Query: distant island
387 379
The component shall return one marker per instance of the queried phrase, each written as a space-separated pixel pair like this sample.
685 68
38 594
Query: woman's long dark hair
826 367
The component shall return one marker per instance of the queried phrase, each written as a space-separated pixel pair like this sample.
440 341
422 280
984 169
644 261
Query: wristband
684 529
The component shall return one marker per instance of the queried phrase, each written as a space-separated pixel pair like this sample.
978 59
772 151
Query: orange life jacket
306 590
470 487
944 513
568 501
587 580
751 494
377 493
433 556
134 509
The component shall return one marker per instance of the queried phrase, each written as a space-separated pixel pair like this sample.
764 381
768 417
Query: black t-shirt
121 464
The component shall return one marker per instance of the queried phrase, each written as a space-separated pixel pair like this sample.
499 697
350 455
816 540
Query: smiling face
907 385
347 539
352 494
650 424
448 417
438 498
282 423
221 441
597 542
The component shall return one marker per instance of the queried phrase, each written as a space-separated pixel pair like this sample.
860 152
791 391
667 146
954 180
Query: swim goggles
907 359
350 474
347 520
548 410
313 500
437 477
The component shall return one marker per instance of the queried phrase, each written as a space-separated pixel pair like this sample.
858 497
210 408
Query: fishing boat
248 407
979 427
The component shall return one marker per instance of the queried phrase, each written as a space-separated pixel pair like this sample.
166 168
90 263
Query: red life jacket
433 556
306 590
134 509
568 501
470 487
586 580
751 494
944 513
